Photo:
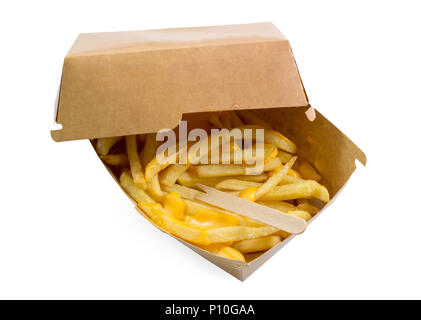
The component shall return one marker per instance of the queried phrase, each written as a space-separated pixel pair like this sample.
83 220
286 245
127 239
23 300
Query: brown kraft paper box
124 83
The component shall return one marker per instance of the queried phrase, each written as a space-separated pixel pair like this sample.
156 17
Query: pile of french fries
166 193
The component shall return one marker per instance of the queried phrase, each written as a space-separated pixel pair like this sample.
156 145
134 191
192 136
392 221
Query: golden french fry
300 214
237 233
283 234
149 150
255 245
236 121
250 118
273 181
191 180
280 141
224 170
236 185
230 253
214 119
169 176
284 156
308 172
183 191
308 207
224 250
305 189
120 160
135 166
104 145
136 193
278 205
274 137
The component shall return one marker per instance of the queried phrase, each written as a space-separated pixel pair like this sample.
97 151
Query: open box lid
123 83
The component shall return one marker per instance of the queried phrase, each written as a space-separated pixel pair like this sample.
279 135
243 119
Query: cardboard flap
137 82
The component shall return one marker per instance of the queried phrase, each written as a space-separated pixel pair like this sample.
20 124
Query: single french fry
305 189
169 176
284 156
135 166
308 172
278 205
236 185
283 234
191 180
300 214
139 195
236 121
255 245
230 253
280 141
237 233
183 191
149 150
120 160
224 170
250 118
104 145
273 137
273 181
308 207
224 250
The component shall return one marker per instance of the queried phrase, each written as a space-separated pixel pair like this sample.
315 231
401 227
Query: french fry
308 207
236 121
104 145
250 118
305 189
273 181
230 253
308 172
120 160
149 150
191 180
224 170
236 185
280 141
169 176
255 245
274 137
183 191
278 205
300 214
223 250
135 166
284 156
139 195
237 233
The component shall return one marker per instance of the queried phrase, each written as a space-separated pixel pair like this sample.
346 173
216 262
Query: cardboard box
125 83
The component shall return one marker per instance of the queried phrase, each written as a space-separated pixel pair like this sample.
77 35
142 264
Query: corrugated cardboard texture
318 141
137 82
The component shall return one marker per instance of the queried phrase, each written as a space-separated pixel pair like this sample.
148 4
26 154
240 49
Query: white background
66 230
